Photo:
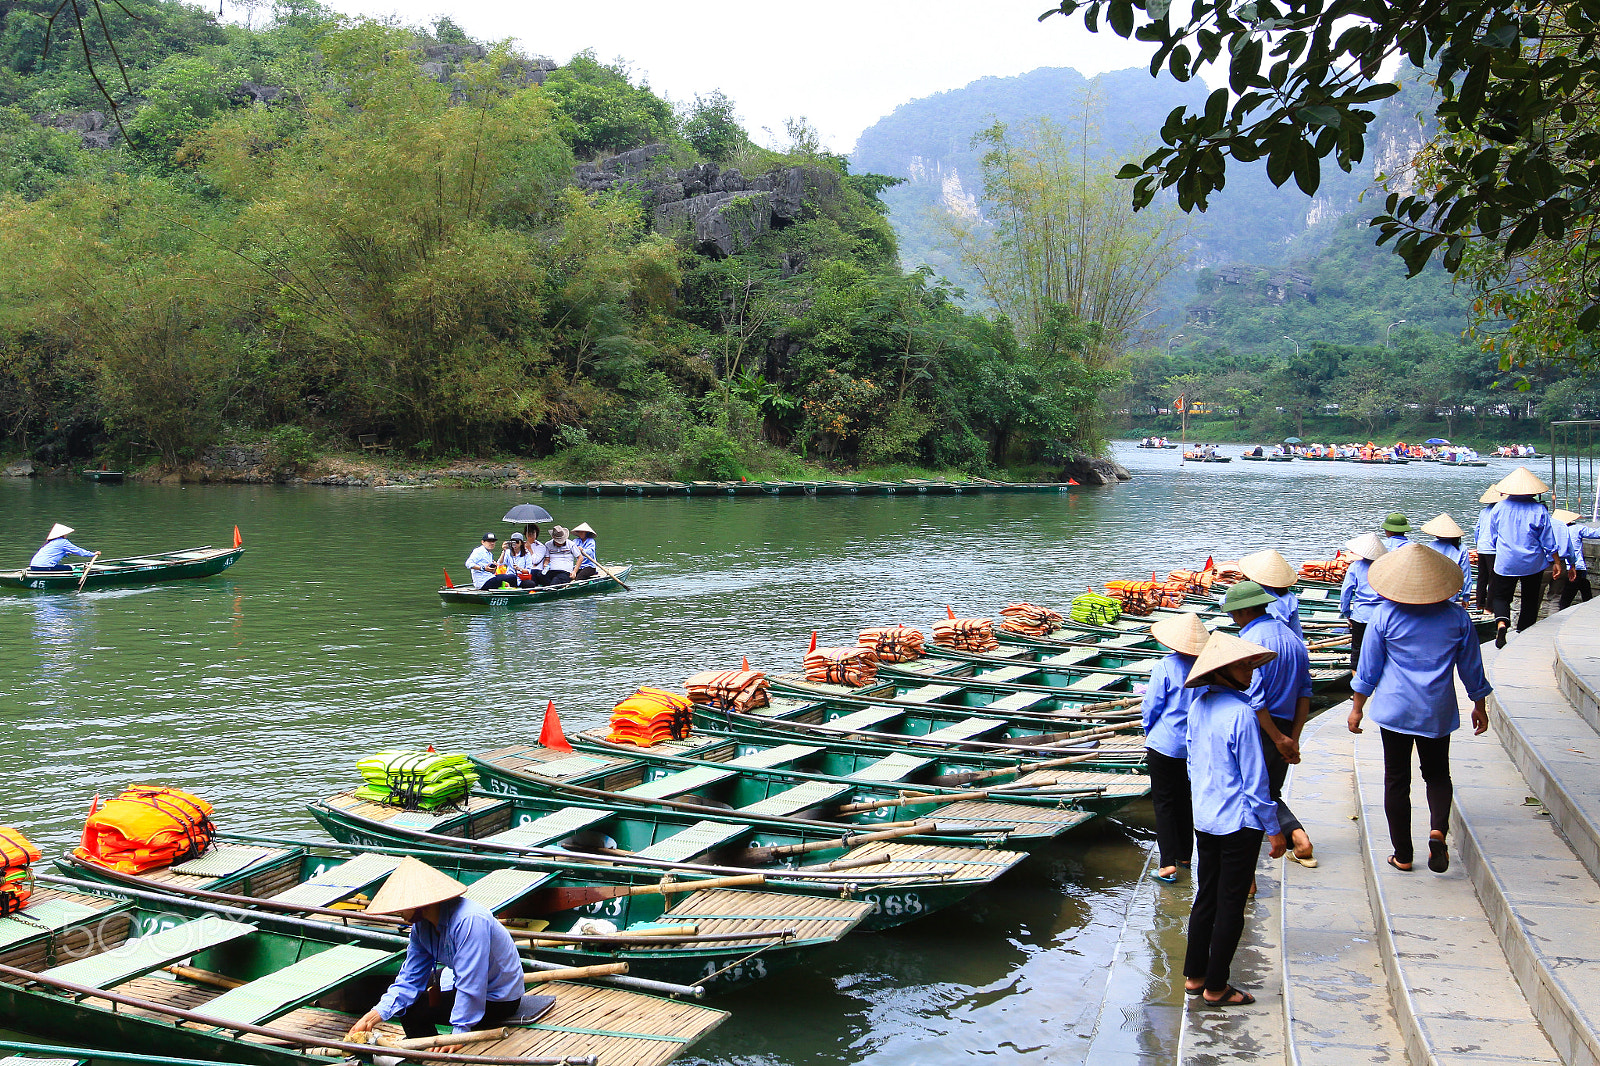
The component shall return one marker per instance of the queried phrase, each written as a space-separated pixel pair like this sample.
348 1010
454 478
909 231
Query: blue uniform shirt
1286 609
53 552
1482 533
1278 685
1356 598
1166 706
1524 537
479 953
1227 772
585 549
1395 541
1406 660
1573 537
1458 554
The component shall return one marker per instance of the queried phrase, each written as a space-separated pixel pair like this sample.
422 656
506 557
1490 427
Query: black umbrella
1292 440
524 513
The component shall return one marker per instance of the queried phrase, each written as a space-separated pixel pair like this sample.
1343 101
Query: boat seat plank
798 798
1018 701
1092 682
674 784
967 728
866 718
1126 640
892 767
40 917
277 993
501 888
552 826
571 766
337 882
693 841
1076 655
777 755
1006 673
222 860
927 693
135 958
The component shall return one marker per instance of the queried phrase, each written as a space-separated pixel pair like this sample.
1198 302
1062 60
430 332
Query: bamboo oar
848 841
1329 643
644 938
568 898
86 568
418 1043
574 973
609 574
850 864
908 800
1021 768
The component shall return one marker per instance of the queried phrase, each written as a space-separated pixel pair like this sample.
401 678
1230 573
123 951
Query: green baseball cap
1396 523
1246 594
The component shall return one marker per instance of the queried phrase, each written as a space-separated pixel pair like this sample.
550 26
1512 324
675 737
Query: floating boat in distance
110 477
909 487
504 597
135 570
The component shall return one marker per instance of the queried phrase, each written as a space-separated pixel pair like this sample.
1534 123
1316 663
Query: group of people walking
526 562
1518 543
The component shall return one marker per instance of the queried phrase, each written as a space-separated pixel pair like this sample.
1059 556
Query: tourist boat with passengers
154 569
900 880
160 974
685 932
519 597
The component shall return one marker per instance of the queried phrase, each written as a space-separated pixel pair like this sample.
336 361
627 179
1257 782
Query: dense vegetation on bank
327 227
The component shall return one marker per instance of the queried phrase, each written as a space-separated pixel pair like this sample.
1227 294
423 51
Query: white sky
842 65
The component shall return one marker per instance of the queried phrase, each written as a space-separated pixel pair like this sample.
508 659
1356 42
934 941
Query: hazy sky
841 64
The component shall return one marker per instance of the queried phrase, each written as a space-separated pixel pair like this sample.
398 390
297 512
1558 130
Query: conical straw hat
1443 526
1521 482
1268 568
1225 648
582 527
1415 574
1183 633
1566 518
1492 494
1369 546
58 530
414 884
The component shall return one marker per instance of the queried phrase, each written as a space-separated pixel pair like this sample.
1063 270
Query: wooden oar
86 568
1021 768
574 973
769 853
609 574
561 899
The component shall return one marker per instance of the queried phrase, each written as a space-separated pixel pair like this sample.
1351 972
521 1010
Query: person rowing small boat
48 559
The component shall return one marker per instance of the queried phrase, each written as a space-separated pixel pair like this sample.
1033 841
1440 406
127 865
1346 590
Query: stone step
1454 995
1578 659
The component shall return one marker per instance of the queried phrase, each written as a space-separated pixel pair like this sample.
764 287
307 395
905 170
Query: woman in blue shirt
1357 601
56 548
1272 572
1166 725
1483 540
1416 639
1573 537
1233 807
1524 544
1447 534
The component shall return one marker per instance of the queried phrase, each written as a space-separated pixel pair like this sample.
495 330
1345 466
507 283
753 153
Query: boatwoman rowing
56 548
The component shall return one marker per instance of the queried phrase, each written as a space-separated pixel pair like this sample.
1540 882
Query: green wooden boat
28 1053
105 477
504 597
314 881
915 879
1104 654
134 570
258 988
779 796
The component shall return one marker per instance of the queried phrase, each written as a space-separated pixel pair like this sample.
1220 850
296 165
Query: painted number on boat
493 784
750 970
611 908
896 903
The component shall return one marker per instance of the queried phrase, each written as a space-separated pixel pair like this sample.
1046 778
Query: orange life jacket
18 854
650 716
145 827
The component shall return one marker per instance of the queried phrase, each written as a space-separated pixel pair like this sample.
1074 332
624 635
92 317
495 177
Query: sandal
1193 991
1166 879
1309 862
1231 997
1438 856
1500 634
1393 862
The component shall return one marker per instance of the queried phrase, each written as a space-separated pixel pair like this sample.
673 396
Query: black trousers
1224 868
1433 754
1277 770
1357 631
1169 794
1485 579
1570 590
555 577
1532 586
499 581
584 573
423 1019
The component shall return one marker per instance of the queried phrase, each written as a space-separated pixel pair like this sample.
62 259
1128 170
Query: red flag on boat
948 613
550 734
447 582
746 665
1208 566
813 640
83 840
1071 482
238 541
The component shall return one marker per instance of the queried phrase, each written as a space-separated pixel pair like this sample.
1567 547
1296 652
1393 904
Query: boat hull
136 570
472 597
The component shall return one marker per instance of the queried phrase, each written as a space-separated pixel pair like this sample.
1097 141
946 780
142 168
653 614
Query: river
260 688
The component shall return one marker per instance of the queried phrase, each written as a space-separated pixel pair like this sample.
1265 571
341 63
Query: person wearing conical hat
1524 545
1483 538
1233 809
1447 533
1573 536
447 930
1272 571
1280 692
1357 601
1417 638
56 548
1166 722
1395 527
583 544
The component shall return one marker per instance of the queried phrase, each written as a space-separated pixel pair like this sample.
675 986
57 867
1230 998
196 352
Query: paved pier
1496 961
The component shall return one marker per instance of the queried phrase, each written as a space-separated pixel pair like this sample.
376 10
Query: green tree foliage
607 112
712 128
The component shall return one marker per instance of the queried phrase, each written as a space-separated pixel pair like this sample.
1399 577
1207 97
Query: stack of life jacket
1196 581
965 634
652 715
18 855
1142 597
1330 570
145 827
1030 619
893 644
1093 609
729 690
852 667
1229 575
425 780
